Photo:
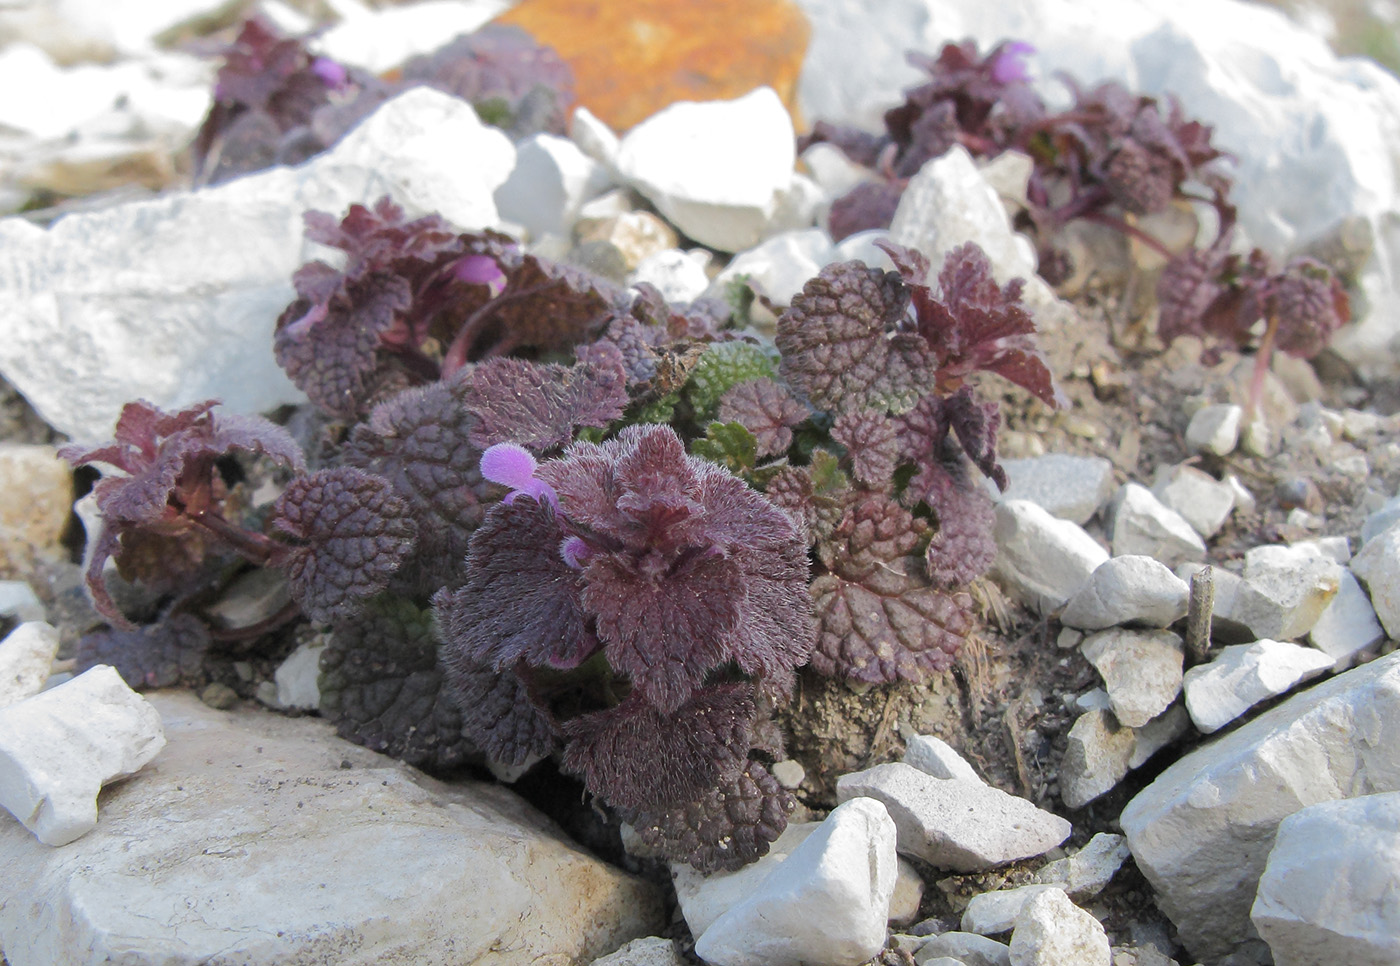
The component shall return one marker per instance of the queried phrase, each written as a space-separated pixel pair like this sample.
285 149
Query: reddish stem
1131 231
289 611
456 355
255 547
1261 366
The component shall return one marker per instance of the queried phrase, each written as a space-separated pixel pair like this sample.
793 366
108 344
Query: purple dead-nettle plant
636 608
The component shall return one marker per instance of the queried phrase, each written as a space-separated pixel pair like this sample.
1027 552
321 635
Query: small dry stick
1198 611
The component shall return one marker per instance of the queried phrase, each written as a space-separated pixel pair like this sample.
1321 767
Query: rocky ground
1087 784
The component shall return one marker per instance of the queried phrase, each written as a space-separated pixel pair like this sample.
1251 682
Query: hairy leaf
499 714
767 410
723 366
638 756
726 828
539 405
729 445
161 655
963 547
382 687
352 532
872 440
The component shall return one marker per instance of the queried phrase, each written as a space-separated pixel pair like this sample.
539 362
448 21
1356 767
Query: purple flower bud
575 552
508 464
480 270
1009 65
333 75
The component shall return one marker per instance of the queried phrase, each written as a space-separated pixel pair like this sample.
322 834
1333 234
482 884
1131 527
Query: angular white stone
1244 500
827 905
1158 733
716 170
1042 559
679 276
381 39
26 654
594 138
18 600
1070 487
1242 675
76 30
648 951
1086 872
993 913
1140 669
1139 523
704 898
1348 627
297 678
1128 589
951 824
1052 931
1378 567
1202 831
781 265
967 948
934 756
1378 522
249 842
1215 429
174 299
788 773
58 748
1296 583
1097 751
1201 499
1328 892
551 180
908 893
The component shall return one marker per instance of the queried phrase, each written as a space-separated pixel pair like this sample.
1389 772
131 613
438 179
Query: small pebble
1298 492
789 773
218 695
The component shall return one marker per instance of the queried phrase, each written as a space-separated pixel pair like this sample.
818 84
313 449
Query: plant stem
254 547
1261 367
456 355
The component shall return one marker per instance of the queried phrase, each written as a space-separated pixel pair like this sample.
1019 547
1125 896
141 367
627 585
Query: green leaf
724 365
728 444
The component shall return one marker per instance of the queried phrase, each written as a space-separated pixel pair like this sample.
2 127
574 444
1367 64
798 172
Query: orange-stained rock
634 57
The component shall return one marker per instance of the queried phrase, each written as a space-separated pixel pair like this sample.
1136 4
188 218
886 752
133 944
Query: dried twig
1198 613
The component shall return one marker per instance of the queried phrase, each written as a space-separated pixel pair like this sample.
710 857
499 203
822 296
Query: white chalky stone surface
1052 931
1139 523
174 299
1300 581
993 913
551 180
1201 832
18 600
952 824
781 265
1141 670
58 748
704 898
298 677
908 893
382 39
936 757
1242 675
1348 626
827 904
1201 499
718 170
967 948
249 842
1086 872
1328 892
1070 487
1215 429
1042 559
1381 520
26 655
1097 752
1129 589
648 951
1378 567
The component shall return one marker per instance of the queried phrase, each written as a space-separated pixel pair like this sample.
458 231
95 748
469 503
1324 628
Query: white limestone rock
1139 523
594 138
704 898
1378 567
1380 520
679 276
781 265
1070 487
297 677
1327 894
1088 871
58 748
1215 429
952 824
1042 559
78 30
827 905
1242 675
1201 499
1202 831
18 600
551 180
788 773
1158 733
908 893
647 951
967 948
269 851
1290 588
1097 751
174 299
1128 589
1348 627
380 39
1140 669
934 756
717 170
994 913
1052 931
26 654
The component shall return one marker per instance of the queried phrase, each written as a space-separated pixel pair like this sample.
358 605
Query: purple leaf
538 405
161 655
766 409
499 714
872 440
352 532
